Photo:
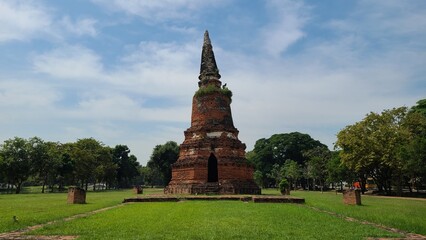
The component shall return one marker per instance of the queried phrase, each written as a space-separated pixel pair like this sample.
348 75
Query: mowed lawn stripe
212 220
405 214
34 209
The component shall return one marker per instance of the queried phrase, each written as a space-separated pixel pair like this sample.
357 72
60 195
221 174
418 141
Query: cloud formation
286 26
129 79
22 20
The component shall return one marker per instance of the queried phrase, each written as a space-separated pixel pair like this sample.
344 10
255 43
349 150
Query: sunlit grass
212 220
404 214
32 209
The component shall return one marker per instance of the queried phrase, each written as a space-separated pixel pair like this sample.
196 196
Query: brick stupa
211 158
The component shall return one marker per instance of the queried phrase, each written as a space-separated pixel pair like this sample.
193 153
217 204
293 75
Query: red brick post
137 190
76 195
352 197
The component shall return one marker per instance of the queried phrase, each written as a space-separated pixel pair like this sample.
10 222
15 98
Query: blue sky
124 72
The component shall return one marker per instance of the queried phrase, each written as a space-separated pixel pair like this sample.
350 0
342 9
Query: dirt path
20 234
407 235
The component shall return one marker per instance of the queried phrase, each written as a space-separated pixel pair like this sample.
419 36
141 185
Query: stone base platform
244 198
222 187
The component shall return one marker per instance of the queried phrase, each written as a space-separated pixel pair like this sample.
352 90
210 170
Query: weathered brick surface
352 197
137 190
76 195
212 133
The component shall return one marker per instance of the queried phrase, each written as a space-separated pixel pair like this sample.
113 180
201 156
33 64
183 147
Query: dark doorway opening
212 169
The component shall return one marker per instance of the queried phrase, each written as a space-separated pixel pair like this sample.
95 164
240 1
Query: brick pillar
137 190
76 195
352 197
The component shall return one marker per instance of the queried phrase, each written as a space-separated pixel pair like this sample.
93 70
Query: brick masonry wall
76 195
212 132
352 197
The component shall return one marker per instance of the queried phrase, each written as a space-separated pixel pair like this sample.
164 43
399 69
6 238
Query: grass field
211 219
404 214
32 209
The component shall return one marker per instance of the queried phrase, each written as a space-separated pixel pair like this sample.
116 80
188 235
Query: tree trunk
399 185
44 184
18 187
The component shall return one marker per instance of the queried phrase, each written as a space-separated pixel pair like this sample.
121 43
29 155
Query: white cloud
22 20
142 97
159 11
70 62
332 82
80 27
156 69
17 93
288 17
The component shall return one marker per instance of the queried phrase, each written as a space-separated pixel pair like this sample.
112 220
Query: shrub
211 89
284 186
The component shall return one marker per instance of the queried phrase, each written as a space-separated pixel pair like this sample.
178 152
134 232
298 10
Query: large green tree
414 151
371 147
316 165
90 157
277 149
162 158
42 163
128 166
15 161
337 172
420 107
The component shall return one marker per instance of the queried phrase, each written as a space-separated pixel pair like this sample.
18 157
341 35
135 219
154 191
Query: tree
127 166
15 161
371 147
420 107
151 177
90 156
65 171
106 169
337 171
277 149
414 152
162 158
258 178
43 163
261 157
317 164
291 171
276 173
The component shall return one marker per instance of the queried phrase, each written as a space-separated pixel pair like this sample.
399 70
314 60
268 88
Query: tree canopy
87 161
162 158
277 149
383 146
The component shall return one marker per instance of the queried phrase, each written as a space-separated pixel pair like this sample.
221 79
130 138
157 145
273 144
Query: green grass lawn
404 214
32 209
211 219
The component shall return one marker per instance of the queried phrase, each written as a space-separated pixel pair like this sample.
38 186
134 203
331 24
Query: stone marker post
137 190
76 195
352 197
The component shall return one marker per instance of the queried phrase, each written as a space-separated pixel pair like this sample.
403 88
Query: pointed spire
208 63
